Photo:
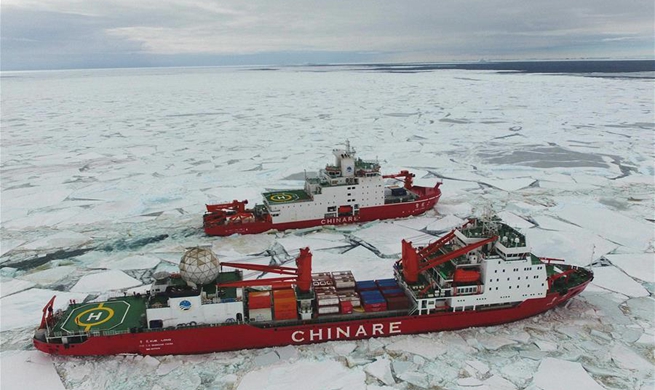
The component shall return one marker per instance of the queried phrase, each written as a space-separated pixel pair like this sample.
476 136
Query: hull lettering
346 332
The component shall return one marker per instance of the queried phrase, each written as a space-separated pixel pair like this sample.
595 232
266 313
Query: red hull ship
427 294
350 191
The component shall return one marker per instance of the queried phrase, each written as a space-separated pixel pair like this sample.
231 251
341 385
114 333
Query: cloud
54 32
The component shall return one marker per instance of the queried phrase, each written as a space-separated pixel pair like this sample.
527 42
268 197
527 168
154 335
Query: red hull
428 198
233 337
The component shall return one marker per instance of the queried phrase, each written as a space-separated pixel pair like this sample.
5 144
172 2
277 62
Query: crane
409 178
300 276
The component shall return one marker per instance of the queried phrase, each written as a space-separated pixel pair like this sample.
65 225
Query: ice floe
557 374
105 281
25 308
32 369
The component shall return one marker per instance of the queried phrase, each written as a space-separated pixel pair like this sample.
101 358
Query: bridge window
156 324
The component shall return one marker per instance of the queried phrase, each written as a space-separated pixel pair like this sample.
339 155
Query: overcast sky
56 34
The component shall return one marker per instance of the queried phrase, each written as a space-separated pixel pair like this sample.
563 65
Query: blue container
369 297
387 283
393 291
365 285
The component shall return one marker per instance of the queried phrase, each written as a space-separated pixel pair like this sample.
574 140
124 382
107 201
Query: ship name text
346 332
338 220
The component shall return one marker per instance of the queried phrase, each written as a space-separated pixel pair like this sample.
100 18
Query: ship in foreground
481 274
350 191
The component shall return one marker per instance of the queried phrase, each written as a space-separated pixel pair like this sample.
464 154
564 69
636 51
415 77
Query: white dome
199 266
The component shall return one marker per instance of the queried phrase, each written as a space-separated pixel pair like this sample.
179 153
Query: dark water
586 67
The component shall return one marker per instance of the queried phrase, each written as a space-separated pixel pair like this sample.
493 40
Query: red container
284 293
346 307
286 314
393 293
259 299
397 303
375 307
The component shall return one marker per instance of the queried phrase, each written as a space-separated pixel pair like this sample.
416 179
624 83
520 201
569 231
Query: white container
259 315
327 299
328 309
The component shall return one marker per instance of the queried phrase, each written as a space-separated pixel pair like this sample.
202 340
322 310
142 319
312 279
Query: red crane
409 178
235 205
410 258
300 276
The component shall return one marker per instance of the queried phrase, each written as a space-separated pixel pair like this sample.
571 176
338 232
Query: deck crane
300 276
415 262
409 178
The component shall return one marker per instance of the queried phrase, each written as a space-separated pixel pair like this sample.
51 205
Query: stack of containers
393 294
259 306
344 281
326 294
372 298
284 304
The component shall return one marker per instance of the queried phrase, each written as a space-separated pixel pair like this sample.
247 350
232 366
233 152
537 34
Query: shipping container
375 306
261 314
350 296
385 283
366 285
328 310
396 292
286 314
325 290
371 295
346 307
259 299
397 303
284 293
327 299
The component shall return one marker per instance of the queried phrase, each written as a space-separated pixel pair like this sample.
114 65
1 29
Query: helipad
119 314
286 196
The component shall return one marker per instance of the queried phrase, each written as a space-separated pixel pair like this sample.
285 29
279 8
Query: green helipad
286 196
117 314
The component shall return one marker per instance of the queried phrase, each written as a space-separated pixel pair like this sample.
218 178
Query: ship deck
119 314
286 196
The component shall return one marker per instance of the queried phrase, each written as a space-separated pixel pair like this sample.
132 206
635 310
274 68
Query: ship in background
350 191
480 274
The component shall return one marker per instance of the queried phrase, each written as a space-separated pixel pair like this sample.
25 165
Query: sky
70 34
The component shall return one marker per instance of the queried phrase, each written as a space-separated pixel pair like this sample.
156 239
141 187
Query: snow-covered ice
32 369
105 281
105 175
556 374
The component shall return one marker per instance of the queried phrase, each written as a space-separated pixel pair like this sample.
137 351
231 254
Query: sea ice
608 224
514 220
31 369
637 265
386 237
445 224
50 276
381 370
556 374
626 358
126 263
310 374
10 286
611 278
421 346
105 281
24 309
579 247
509 185
7 246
